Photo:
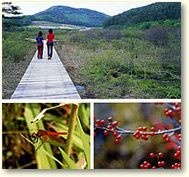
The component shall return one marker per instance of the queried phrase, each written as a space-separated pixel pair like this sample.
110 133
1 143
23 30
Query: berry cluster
110 128
141 133
168 133
160 163
166 137
171 112
176 166
178 153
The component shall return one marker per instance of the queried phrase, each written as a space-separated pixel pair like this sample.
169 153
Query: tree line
160 11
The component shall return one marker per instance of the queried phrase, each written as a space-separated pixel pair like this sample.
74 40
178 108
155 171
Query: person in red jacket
50 40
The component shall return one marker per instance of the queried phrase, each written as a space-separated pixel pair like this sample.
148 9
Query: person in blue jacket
39 40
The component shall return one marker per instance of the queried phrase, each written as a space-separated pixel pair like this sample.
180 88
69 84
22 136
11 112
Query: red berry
167 113
149 165
160 154
105 132
152 133
153 129
152 155
172 114
103 122
165 136
97 125
98 121
115 124
110 119
166 110
134 134
154 167
115 134
146 138
140 128
141 166
109 127
159 163
118 140
178 109
167 139
144 129
145 163
177 104
179 148
137 132
119 137
179 153
176 164
162 163
176 155
145 134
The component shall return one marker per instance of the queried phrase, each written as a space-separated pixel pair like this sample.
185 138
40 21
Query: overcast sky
110 8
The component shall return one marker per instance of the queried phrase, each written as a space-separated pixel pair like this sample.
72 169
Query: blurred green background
130 152
18 153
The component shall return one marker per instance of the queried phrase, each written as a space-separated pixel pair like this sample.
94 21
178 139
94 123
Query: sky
110 8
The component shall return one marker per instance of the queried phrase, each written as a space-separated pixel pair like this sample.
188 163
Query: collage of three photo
91 85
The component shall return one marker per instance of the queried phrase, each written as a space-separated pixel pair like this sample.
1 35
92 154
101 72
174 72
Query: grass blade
86 144
71 164
31 111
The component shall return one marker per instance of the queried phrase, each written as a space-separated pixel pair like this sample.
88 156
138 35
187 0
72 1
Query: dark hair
40 33
50 30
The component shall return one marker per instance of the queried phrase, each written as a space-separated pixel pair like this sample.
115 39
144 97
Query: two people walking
40 40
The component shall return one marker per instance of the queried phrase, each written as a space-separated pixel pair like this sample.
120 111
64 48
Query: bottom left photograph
46 135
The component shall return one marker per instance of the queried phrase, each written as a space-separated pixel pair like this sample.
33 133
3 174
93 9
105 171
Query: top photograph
91 50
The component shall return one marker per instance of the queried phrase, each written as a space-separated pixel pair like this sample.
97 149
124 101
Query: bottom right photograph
137 135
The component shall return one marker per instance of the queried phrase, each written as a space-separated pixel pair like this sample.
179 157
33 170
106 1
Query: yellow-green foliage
17 128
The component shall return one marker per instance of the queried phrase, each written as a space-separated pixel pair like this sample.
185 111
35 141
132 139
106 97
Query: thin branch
71 130
121 131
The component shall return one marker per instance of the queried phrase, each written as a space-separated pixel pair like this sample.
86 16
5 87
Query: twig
41 114
71 130
121 131
28 164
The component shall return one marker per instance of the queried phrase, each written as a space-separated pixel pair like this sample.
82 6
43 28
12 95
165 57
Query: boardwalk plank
46 79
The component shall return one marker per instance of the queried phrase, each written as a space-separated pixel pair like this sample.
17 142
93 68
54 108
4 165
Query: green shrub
14 47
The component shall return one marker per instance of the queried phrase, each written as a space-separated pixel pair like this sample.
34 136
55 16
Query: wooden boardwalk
46 79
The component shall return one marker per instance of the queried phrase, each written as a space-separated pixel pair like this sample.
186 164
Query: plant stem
71 130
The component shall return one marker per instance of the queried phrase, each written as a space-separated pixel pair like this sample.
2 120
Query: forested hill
160 11
69 15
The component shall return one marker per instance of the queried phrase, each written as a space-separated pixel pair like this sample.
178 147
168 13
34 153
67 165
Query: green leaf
85 141
43 161
55 159
71 164
84 115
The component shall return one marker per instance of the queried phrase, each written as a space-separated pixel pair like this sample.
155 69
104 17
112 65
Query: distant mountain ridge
70 15
159 11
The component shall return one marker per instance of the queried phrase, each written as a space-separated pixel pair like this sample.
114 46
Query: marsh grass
107 63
